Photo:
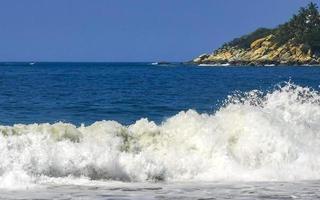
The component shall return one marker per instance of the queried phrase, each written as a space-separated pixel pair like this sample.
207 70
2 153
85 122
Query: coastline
244 64
294 43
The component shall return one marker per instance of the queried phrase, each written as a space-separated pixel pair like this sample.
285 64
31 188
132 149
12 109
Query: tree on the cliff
303 28
311 35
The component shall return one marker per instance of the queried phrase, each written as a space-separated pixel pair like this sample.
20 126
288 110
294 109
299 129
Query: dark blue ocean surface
125 92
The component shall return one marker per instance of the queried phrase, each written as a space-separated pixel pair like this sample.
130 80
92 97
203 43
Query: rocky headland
296 42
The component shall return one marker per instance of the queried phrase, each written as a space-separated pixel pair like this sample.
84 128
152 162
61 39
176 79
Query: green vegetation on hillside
245 41
302 28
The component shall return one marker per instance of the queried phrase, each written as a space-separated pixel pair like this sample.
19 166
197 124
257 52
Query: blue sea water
77 131
87 92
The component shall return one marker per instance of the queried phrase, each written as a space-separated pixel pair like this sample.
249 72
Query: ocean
143 131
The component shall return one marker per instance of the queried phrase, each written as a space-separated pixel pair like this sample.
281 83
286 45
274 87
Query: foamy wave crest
253 137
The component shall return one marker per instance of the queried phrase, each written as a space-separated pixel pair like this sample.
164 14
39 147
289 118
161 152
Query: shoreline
253 65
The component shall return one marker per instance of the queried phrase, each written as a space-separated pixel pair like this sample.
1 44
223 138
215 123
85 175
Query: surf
253 136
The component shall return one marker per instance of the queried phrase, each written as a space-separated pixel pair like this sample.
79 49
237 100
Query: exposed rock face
262 51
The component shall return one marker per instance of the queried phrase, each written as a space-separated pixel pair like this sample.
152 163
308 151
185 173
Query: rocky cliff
295 43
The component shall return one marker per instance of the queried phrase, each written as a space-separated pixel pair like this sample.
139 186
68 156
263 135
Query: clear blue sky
130 30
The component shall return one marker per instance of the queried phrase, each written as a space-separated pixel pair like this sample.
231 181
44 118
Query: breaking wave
255 136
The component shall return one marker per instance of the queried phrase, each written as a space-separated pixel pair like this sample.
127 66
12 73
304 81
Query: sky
130 30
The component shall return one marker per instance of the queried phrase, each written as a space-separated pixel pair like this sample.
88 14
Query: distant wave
255 136
214 65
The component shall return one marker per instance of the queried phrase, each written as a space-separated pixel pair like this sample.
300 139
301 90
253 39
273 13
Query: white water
254 137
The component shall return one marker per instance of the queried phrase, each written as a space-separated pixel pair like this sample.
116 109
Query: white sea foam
253 137
214 65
